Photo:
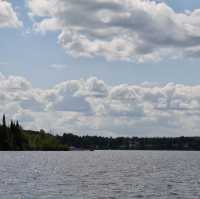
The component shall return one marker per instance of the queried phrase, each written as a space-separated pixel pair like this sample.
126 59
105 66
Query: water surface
100 174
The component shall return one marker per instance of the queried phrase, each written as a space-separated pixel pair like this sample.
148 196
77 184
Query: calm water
100 174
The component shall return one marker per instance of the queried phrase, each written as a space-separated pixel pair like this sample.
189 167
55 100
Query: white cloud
58 66
89 106
8 16
139 30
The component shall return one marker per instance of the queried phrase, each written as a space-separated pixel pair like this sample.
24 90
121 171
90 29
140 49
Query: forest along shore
14 137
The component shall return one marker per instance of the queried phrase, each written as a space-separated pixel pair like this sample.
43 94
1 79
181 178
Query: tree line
130 143
14 137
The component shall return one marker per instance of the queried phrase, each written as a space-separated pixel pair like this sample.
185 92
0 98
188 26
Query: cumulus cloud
90 106
138 30
8 16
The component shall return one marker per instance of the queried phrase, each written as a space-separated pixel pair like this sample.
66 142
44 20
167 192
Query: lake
100 174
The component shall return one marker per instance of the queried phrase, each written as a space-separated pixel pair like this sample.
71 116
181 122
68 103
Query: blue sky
31 56
135 65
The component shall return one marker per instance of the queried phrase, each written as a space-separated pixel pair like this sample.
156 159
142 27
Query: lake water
100 174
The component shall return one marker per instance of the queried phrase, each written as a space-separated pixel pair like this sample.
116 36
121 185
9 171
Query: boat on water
72 148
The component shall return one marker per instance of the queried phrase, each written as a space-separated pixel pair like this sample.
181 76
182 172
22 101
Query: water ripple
100 174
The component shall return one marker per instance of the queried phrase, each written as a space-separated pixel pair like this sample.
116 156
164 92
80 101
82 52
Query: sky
101 67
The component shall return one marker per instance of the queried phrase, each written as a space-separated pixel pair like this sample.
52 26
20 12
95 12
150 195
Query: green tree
4 120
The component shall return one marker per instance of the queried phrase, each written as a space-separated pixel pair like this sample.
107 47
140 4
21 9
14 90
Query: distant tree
4 135
4 120
12 125
18 126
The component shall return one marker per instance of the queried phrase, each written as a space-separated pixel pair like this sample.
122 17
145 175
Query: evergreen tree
4 120
4 135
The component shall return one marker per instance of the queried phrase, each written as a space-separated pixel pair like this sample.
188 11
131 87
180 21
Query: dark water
100 174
